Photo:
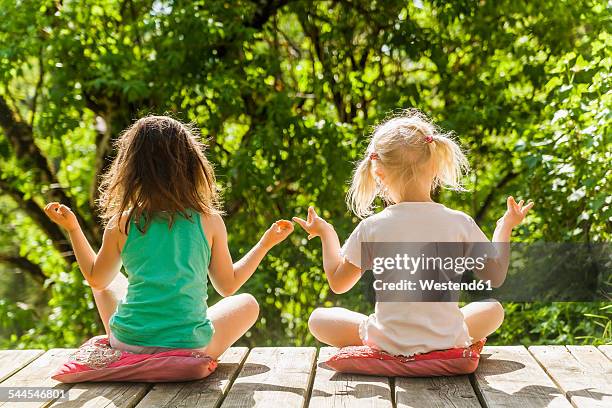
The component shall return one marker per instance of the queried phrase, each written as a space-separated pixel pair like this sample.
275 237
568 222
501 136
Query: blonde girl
164 225
407 158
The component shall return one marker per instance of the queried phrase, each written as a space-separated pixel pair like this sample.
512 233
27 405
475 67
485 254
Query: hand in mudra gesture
515 212
314 225
62 216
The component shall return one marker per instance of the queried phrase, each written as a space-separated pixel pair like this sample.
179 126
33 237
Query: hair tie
428 139
374 156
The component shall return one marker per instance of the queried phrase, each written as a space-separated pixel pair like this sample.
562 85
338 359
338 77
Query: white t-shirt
407 328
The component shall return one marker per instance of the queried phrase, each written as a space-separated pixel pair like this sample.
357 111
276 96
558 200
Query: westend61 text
430 285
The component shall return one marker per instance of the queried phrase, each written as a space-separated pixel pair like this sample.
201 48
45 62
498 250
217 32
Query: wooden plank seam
233 378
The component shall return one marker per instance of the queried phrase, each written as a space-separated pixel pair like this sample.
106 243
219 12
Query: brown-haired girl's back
163 224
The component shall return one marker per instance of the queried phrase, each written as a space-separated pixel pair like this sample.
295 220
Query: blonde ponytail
451 163
363 190
403 146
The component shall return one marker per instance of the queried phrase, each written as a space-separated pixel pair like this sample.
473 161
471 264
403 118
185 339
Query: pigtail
450 161
363 189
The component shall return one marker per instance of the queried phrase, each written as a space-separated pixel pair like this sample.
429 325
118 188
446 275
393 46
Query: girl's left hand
277 233
314 225
516 212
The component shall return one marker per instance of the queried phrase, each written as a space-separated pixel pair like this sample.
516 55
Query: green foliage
556 323
285 93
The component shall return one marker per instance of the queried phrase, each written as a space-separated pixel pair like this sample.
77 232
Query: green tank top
167 269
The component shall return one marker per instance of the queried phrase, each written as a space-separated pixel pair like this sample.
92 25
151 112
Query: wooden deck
513 376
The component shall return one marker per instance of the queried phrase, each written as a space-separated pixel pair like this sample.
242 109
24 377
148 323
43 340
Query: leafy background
286 93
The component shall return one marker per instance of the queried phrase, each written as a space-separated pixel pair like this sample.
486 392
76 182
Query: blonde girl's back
407 158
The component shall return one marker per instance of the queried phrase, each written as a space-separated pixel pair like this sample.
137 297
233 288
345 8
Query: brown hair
160 169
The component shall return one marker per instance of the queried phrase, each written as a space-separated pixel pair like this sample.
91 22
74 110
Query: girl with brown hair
163 224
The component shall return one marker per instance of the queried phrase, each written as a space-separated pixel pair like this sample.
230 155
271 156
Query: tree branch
39 84
104 143
33 210
266 10
25 265
21 137
482 211
313 33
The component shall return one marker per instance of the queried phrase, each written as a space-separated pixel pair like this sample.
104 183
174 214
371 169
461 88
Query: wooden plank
273 377
509 376
38 374
100 395
582 372
202 393
435 392
607 350
12 361
333 389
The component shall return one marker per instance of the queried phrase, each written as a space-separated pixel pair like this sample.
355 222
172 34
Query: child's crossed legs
339 327
231 316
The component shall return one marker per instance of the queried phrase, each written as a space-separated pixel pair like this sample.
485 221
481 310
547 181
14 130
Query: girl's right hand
314 225
62 216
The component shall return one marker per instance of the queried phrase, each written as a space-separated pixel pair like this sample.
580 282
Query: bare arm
227 277
341 274
98 269
496 268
